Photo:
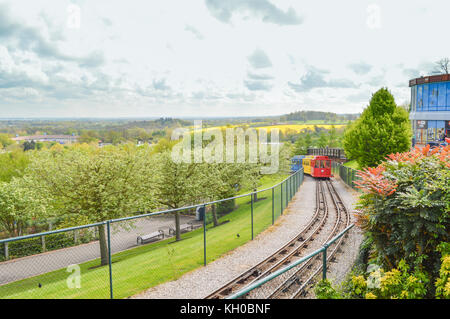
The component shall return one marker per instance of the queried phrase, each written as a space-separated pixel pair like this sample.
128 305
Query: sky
207 58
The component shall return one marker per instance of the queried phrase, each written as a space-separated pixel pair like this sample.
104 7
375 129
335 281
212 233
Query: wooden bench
184 228
150 237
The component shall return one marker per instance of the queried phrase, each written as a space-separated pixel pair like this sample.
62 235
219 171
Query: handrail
264 280
142 215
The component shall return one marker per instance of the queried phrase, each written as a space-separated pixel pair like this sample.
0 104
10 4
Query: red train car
317 166
321 167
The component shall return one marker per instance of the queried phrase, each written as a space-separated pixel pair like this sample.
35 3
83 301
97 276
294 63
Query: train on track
316 166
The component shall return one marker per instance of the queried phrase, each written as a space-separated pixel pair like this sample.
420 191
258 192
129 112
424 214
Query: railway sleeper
225 292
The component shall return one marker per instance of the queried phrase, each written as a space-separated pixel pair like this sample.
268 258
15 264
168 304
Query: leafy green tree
94 183
18 205
323 140
5 141
88 137
13 164
27 146
333 139
177 185
382 129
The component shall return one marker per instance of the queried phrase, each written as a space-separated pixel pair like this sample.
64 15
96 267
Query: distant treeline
306 116
106 130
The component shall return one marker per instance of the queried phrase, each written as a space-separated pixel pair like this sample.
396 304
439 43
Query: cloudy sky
198 58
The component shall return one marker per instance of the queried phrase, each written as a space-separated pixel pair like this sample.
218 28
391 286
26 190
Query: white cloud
147 59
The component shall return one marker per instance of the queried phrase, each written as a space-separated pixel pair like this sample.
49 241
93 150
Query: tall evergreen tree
382 129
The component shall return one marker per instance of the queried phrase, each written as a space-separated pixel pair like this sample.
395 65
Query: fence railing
121 257
347 174
281 271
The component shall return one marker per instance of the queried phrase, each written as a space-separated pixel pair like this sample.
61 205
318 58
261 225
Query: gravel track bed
202 281
264 291
338 270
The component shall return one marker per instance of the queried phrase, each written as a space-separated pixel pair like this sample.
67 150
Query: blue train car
296 162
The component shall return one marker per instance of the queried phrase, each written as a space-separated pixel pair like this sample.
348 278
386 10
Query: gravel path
201 282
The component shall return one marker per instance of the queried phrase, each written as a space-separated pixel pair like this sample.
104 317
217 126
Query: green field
137 269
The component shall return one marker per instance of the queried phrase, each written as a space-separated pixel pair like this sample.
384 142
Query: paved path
121 239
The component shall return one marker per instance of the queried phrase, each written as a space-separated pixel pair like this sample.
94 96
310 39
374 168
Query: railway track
297 284
292 250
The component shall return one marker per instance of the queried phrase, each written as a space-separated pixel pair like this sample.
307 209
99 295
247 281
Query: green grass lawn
137 269
352 164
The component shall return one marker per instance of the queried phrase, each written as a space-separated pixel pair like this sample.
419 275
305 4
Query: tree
5 141
177 185
322 141
382 129
443 65
18 205
27 146
88 137
95 184
13 164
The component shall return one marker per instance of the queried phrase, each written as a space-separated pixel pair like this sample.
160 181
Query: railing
338 153
279 272
104 260
347 174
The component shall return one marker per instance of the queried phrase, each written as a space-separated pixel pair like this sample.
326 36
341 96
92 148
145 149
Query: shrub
405 208
324 290
443 282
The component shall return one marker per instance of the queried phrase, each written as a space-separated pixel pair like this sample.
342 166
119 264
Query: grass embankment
352 164
137 269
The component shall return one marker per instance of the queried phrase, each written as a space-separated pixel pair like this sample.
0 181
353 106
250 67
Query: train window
322 164
317 164
327 164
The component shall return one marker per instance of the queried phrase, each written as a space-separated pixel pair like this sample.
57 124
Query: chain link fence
347 174
122 257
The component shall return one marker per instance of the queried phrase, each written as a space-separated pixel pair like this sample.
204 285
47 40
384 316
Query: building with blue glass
430 108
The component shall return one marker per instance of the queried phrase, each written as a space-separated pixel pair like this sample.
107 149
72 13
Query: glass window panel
419 97
425 97
448 97
432 98
431 131
442 96
414 98
440 131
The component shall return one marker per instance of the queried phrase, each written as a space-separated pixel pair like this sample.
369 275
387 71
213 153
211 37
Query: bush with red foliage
405 206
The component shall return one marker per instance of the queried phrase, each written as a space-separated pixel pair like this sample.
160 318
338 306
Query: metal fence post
324 263
108 227
43 244
281 198
290 188
288 191
273 205
204 236
252 195
6 251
